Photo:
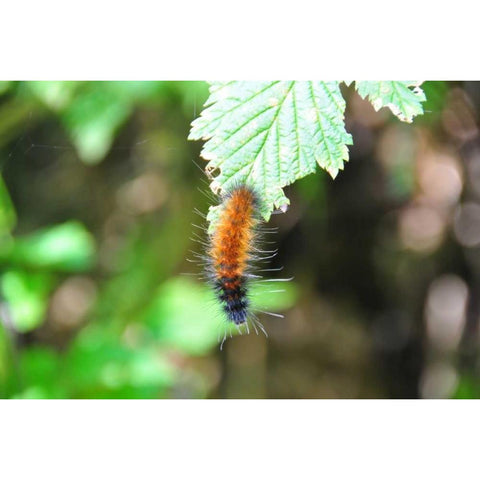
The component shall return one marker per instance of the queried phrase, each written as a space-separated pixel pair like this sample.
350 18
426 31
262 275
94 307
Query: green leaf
65 247
184 315
8 216
27 297
4 356
4 86
436 93
92 112
403 98
269 134
99 364
468 387
99 109
132 92
54 94
92 120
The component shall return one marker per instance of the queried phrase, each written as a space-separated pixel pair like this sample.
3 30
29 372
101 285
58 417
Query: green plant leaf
8 216
269 134
55 94
27 297
92 112
4 86
403 98
99 364
184 315
92 120
65 247
40 369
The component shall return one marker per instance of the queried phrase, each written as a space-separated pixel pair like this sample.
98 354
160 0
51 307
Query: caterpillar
232 255
230 251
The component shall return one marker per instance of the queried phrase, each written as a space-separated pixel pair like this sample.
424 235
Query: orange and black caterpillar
231 251
231 255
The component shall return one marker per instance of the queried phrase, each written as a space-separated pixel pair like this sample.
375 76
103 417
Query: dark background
96 205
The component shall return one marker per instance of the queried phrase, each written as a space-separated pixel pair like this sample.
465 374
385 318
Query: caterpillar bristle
256 322
271 269
278 315
268 280
199 213
199 227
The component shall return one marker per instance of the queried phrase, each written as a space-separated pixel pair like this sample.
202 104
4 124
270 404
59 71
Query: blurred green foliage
8 217
93 301
67 247
98 186
26 295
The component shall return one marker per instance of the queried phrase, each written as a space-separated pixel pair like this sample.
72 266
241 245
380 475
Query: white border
191 40
239 439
